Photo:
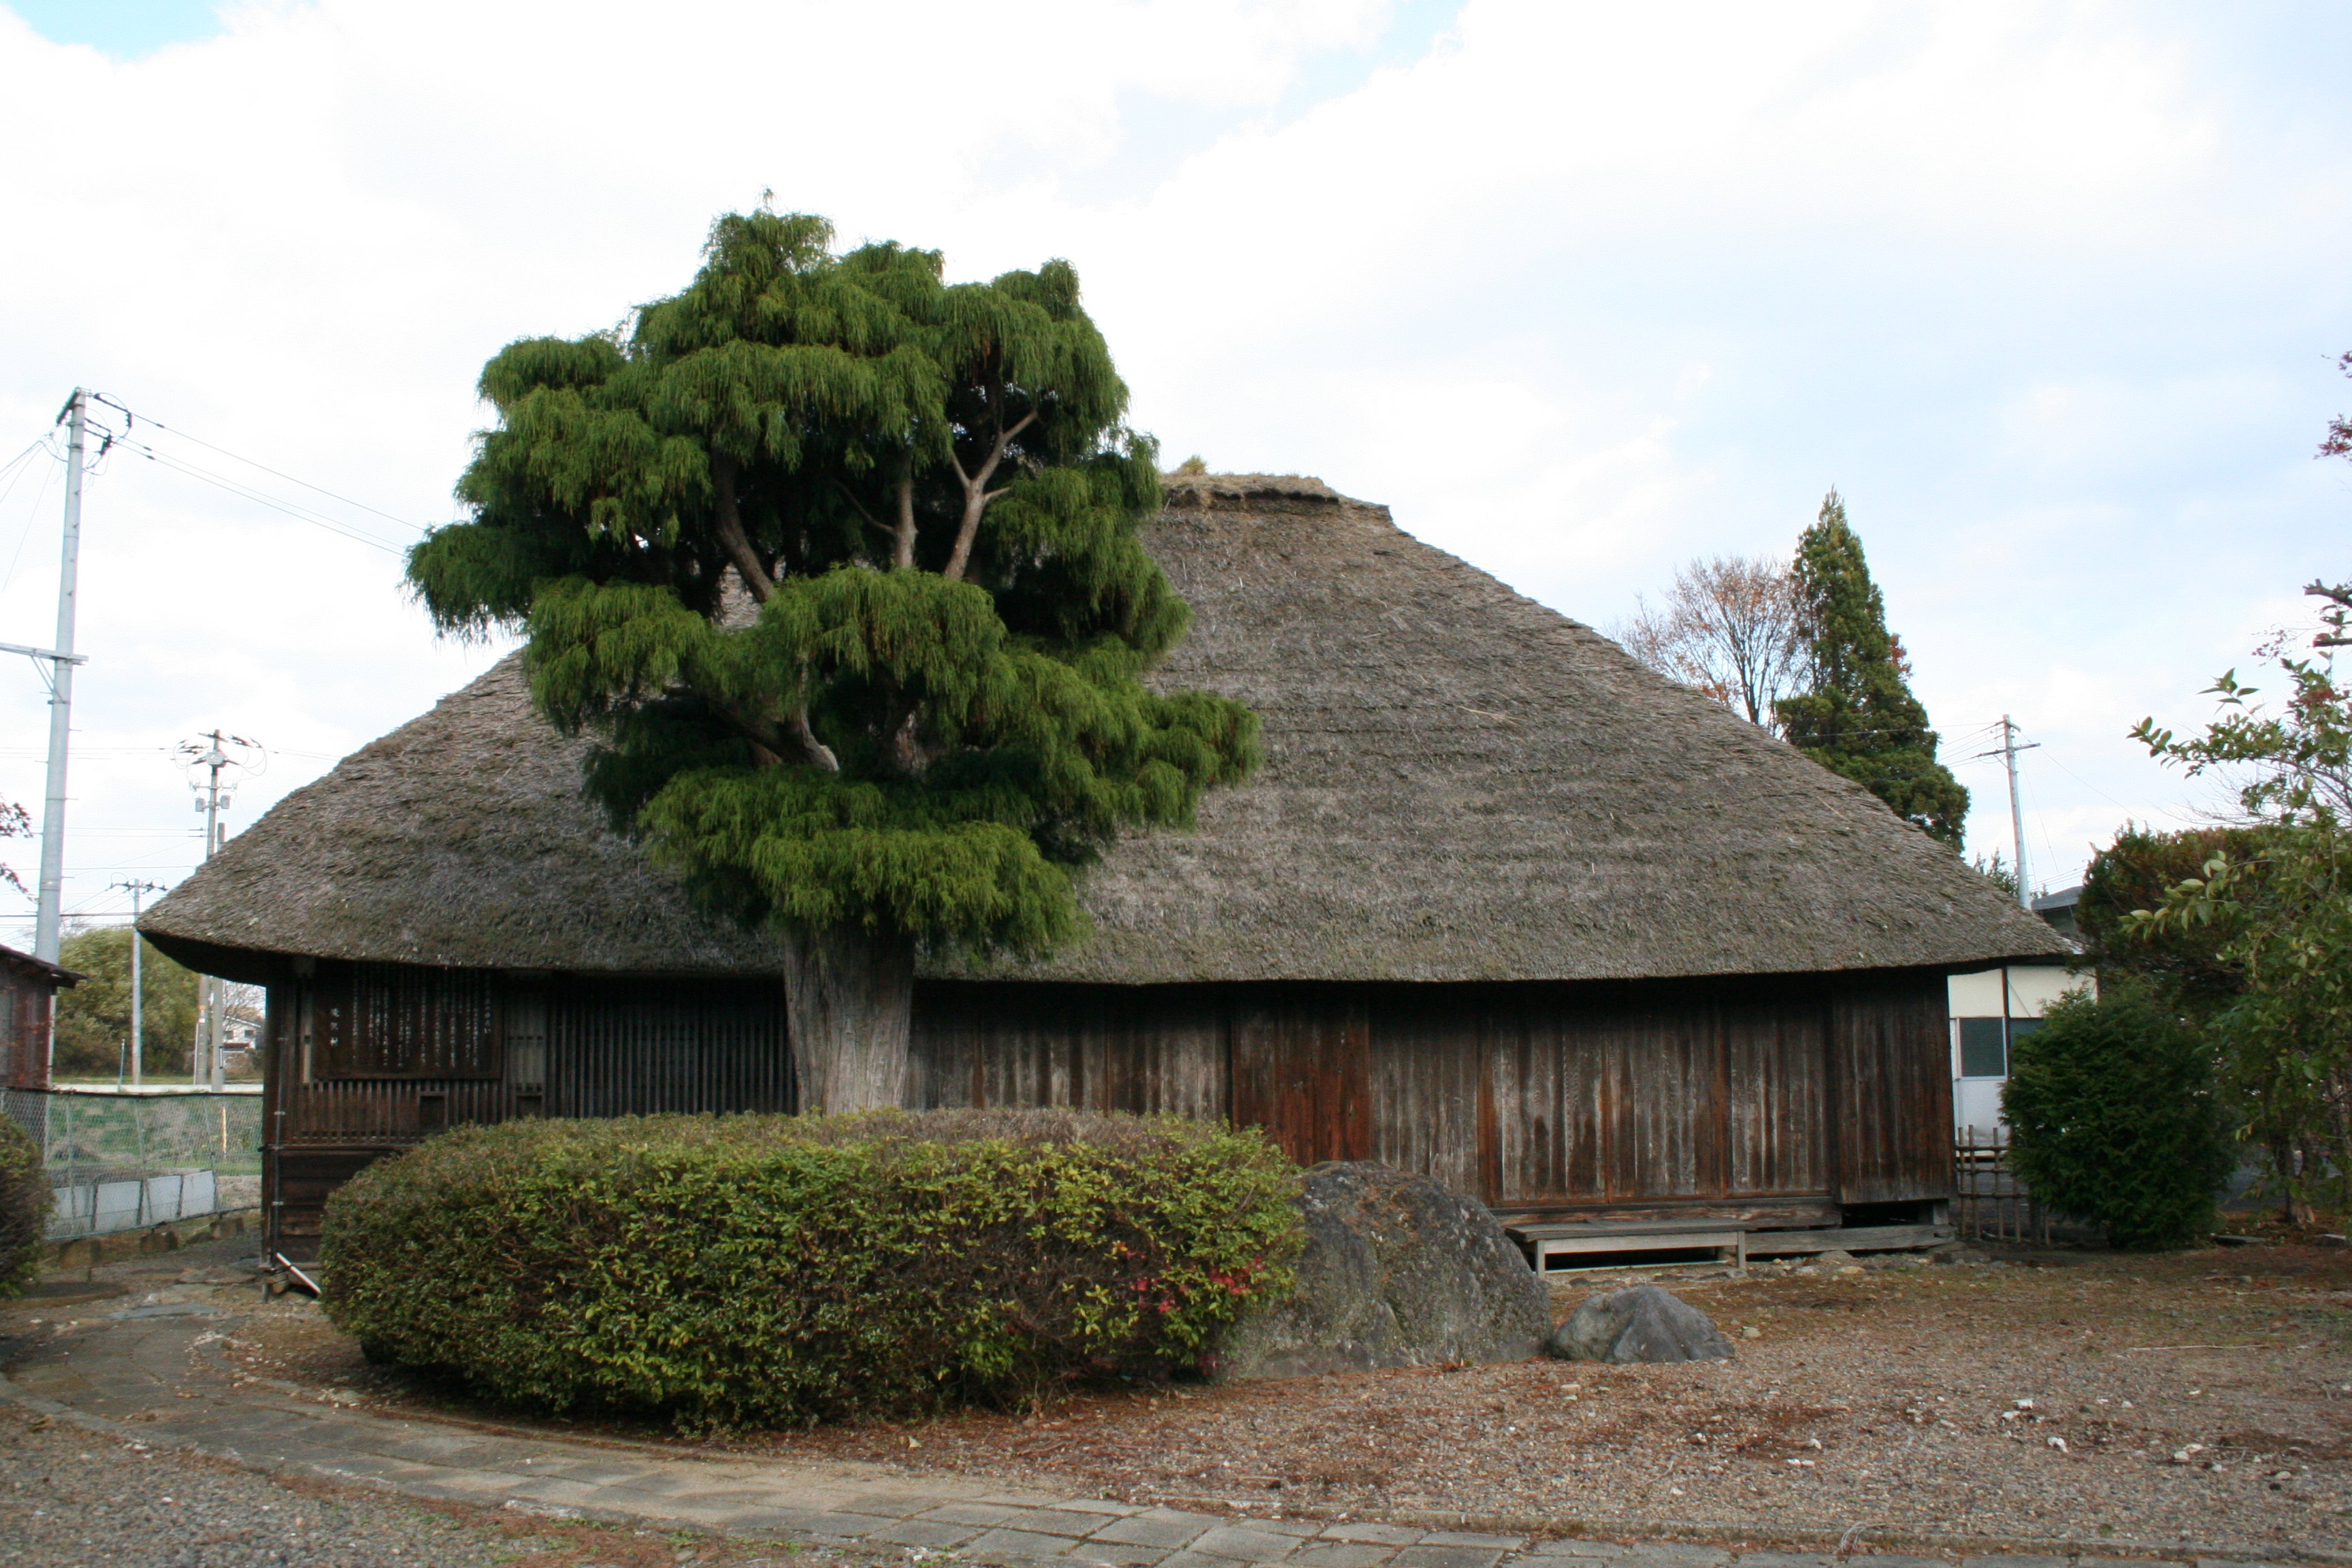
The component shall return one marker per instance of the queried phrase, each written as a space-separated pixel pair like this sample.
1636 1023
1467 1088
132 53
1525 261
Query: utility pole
46 921
2009 750
206 1067
138 1003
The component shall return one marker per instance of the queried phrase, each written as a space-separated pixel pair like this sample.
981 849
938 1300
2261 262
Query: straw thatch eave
1460 784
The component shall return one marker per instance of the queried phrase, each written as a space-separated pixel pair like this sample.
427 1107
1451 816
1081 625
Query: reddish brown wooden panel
1301 1066
24 993
1424 1059
1890 1109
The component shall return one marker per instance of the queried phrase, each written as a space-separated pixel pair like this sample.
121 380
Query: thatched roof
1460 784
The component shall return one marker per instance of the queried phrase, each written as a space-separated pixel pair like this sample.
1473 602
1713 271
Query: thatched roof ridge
1461 785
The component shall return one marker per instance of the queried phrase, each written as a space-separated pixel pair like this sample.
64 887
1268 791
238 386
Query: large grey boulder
1398 1272
1639 1324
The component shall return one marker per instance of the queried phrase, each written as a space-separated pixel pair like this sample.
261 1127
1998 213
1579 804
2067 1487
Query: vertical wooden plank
1776 1064
1525 1054
1891 1092
1664 1136
1158 1050
1301 1066
1422 1064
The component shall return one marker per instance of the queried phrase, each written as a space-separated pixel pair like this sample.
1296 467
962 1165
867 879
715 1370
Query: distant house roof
56 974
2064 898
2058 909
1460 784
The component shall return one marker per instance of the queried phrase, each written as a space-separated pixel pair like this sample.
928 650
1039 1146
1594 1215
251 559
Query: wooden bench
1569 1239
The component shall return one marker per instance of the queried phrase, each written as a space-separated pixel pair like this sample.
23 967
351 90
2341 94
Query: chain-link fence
128 1158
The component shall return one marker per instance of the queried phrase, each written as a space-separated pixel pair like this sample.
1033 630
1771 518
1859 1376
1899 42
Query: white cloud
1582 290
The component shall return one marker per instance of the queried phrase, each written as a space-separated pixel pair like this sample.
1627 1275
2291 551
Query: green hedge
761 1270
2112 1110
24 1200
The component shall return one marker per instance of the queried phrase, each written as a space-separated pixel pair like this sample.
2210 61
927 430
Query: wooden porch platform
1546 1244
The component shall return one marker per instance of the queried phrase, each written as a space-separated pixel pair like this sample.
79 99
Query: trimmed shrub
760 1271
24 1200
2112 1108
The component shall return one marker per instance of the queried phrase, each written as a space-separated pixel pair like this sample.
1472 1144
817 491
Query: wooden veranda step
1731 1244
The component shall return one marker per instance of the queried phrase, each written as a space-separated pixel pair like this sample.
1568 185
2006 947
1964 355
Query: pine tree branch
732 537
977 495
859 507
902 556
812 749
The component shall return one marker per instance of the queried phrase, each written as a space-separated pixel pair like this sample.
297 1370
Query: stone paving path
143 1375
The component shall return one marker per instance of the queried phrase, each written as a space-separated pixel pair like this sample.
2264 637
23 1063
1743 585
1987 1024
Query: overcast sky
2051 293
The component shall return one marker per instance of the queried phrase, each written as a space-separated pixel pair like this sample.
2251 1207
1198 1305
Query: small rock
1752 1332
1642 1323
1835 1258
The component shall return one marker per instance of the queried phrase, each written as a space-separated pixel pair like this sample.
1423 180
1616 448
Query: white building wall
1991 1003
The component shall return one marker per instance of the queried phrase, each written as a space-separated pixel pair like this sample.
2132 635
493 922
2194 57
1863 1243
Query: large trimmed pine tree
840 564
1858 717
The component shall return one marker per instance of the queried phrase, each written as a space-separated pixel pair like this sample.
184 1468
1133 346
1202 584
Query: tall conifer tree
840 564
1857 717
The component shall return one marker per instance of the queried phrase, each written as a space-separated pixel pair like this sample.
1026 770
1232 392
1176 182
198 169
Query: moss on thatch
1460 784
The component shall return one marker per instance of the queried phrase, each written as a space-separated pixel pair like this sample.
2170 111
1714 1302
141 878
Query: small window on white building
1983 1052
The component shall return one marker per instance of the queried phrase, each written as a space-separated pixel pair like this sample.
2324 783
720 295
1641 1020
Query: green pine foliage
1857 717
24 1200
925 711
745 1272
2112 1106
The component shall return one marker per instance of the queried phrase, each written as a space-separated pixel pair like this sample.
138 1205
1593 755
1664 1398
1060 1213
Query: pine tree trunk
849 995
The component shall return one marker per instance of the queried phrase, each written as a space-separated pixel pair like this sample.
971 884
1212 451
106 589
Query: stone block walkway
152 1375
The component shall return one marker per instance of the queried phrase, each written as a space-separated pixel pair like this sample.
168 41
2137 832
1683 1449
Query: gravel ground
71 1498
2196 1399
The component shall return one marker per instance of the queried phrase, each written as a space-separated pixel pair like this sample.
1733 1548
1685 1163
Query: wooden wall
365 1060
25 992
1769 1101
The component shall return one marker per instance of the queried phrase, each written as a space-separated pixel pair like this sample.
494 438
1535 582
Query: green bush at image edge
2112 1108
24 1200
738 1271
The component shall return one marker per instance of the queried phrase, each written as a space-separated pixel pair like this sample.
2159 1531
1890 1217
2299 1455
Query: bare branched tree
1727 627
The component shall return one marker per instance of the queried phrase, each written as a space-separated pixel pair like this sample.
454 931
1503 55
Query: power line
244 491
33 512
300 513
265 468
